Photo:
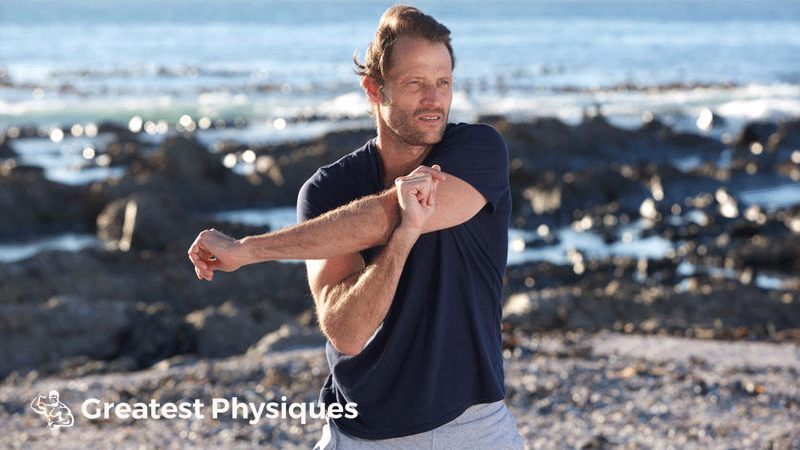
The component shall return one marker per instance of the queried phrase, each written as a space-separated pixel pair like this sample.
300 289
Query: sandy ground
605 391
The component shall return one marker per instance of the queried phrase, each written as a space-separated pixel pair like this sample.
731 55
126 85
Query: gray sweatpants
487 426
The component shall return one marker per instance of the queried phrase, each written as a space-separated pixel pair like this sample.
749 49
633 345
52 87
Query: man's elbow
342 337
345 346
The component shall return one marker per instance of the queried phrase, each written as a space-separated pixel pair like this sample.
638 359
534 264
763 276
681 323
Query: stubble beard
404 126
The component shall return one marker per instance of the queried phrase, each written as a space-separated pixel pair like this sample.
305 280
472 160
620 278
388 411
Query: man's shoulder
335 184
460 132
355 160
469 127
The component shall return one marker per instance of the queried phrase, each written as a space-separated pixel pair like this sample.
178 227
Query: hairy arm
350 309
353 300
364 223
361 224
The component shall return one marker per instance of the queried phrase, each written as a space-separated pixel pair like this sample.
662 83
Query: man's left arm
370 221
337 233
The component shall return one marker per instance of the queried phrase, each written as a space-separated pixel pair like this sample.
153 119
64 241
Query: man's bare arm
351 309
352 300
359 225
364 223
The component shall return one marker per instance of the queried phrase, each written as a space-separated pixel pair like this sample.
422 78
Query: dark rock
230 330
556 168
597 442
32 204
286 167
539 310
754 132
68 327
743 230
577 190
62 327
786 136
184 158
125 153
773 254
290 336
6 150
157 332
150 277
121 133
607 297
145 222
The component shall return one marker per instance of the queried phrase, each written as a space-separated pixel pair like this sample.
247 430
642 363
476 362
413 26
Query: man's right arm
352 300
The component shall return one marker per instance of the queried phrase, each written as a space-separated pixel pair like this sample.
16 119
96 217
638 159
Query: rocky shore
565 390
129 320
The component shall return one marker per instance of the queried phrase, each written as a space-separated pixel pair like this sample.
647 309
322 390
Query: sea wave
679 105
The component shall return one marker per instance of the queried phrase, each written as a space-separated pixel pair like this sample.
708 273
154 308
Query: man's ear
371 88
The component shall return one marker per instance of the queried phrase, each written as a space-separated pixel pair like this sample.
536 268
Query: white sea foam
70 242
780 196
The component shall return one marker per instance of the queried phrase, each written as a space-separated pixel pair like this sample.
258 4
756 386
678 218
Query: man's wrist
406 233
243 250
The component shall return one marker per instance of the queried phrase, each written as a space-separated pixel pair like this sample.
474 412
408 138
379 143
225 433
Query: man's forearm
351 311
361 224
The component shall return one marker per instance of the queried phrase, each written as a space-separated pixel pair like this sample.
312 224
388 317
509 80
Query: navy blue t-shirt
438 350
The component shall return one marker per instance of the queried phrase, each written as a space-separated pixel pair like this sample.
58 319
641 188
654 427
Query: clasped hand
416 193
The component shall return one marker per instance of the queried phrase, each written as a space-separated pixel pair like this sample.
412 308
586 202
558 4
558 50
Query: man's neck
399 160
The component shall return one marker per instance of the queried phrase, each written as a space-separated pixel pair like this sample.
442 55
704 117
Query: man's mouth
430 116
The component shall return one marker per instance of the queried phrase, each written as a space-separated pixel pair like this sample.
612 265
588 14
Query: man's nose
432 95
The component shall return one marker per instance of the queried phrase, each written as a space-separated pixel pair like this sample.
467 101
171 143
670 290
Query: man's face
53 399
417 92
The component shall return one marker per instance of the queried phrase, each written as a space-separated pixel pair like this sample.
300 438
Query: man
406 279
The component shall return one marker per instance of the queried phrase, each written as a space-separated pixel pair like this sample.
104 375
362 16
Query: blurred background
654 163
66 61
652 144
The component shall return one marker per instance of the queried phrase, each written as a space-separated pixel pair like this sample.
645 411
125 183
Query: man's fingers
432 193
437 173
434 171
418 184
203 260
198 256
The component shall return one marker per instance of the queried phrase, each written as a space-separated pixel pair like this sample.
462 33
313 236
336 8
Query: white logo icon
56 412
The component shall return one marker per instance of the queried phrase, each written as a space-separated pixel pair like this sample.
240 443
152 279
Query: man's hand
212 251
416 193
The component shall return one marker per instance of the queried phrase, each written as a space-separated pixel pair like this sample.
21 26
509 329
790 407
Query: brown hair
397 21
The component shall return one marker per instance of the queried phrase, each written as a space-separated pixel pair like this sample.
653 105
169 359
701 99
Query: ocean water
261 61
283 69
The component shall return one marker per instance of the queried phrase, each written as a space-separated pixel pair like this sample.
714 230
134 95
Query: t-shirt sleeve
312 200
478 155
